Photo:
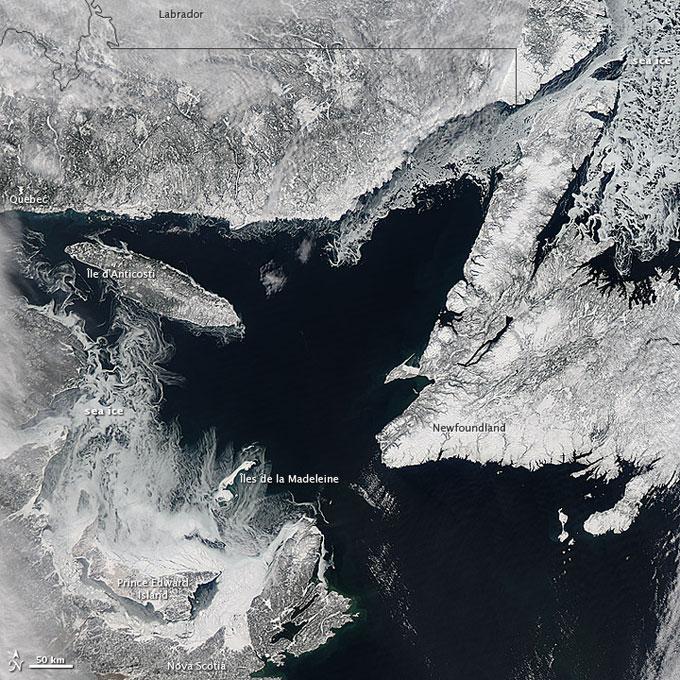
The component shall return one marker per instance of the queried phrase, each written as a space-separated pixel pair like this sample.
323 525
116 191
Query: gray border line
334 48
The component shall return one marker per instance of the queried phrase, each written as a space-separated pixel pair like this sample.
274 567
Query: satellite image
340 340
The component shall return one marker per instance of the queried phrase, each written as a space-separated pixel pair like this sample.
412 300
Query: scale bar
51 666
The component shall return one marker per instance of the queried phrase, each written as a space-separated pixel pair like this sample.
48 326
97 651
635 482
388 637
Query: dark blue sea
475 584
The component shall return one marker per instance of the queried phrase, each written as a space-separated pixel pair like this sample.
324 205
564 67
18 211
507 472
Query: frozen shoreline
536 343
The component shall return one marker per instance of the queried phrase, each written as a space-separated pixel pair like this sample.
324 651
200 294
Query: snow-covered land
554 345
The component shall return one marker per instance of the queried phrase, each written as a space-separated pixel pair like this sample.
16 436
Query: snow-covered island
554 335
158 287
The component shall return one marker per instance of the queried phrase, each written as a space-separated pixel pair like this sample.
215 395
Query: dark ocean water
474 584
